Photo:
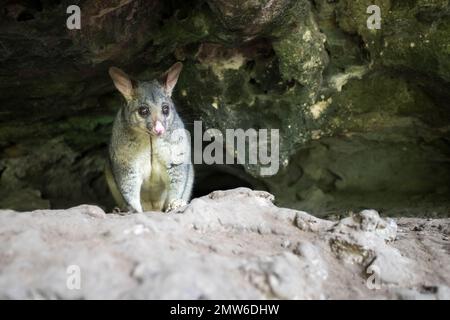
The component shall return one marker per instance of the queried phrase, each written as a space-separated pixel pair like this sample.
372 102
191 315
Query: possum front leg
180 185
129 182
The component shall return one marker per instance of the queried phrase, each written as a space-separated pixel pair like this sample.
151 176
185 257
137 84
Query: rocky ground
228 245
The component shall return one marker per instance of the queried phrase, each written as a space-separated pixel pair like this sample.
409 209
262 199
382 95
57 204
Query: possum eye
165 109
143 111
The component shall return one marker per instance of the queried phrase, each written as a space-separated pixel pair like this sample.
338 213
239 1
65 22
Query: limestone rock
232 244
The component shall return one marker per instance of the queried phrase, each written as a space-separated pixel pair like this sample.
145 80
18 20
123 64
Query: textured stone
214 248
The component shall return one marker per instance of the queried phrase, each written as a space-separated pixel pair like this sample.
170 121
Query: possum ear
170 77
122 82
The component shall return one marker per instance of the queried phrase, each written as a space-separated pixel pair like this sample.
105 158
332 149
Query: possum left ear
170 77
122 82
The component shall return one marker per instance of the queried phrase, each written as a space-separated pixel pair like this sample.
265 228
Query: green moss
376 101
405 40
301 53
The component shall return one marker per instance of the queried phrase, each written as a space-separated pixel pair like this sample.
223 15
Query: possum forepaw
175 204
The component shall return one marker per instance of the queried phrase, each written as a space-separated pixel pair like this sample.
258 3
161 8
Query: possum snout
158 128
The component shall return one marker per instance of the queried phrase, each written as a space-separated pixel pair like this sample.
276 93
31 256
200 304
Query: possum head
149 106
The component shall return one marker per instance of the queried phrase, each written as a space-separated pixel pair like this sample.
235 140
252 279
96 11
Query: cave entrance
209 178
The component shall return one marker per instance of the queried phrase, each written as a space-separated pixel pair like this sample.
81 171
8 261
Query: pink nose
159 128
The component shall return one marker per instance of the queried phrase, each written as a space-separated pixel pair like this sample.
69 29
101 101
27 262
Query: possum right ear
122 82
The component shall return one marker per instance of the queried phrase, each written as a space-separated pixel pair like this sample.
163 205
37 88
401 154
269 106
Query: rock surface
228 245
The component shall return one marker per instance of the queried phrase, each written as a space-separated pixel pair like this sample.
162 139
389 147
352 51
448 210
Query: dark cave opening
222 177
25 16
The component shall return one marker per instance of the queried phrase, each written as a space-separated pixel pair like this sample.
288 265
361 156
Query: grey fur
142 173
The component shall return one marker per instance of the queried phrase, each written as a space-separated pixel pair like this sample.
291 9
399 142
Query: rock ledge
232 244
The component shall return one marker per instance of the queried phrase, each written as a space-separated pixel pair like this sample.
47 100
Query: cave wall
363 114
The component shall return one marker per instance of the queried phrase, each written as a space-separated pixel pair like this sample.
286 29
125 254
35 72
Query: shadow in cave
209 178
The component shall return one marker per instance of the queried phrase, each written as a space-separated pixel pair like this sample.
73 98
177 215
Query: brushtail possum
149 165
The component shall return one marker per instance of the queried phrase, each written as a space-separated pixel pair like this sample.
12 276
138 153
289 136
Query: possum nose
159 128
